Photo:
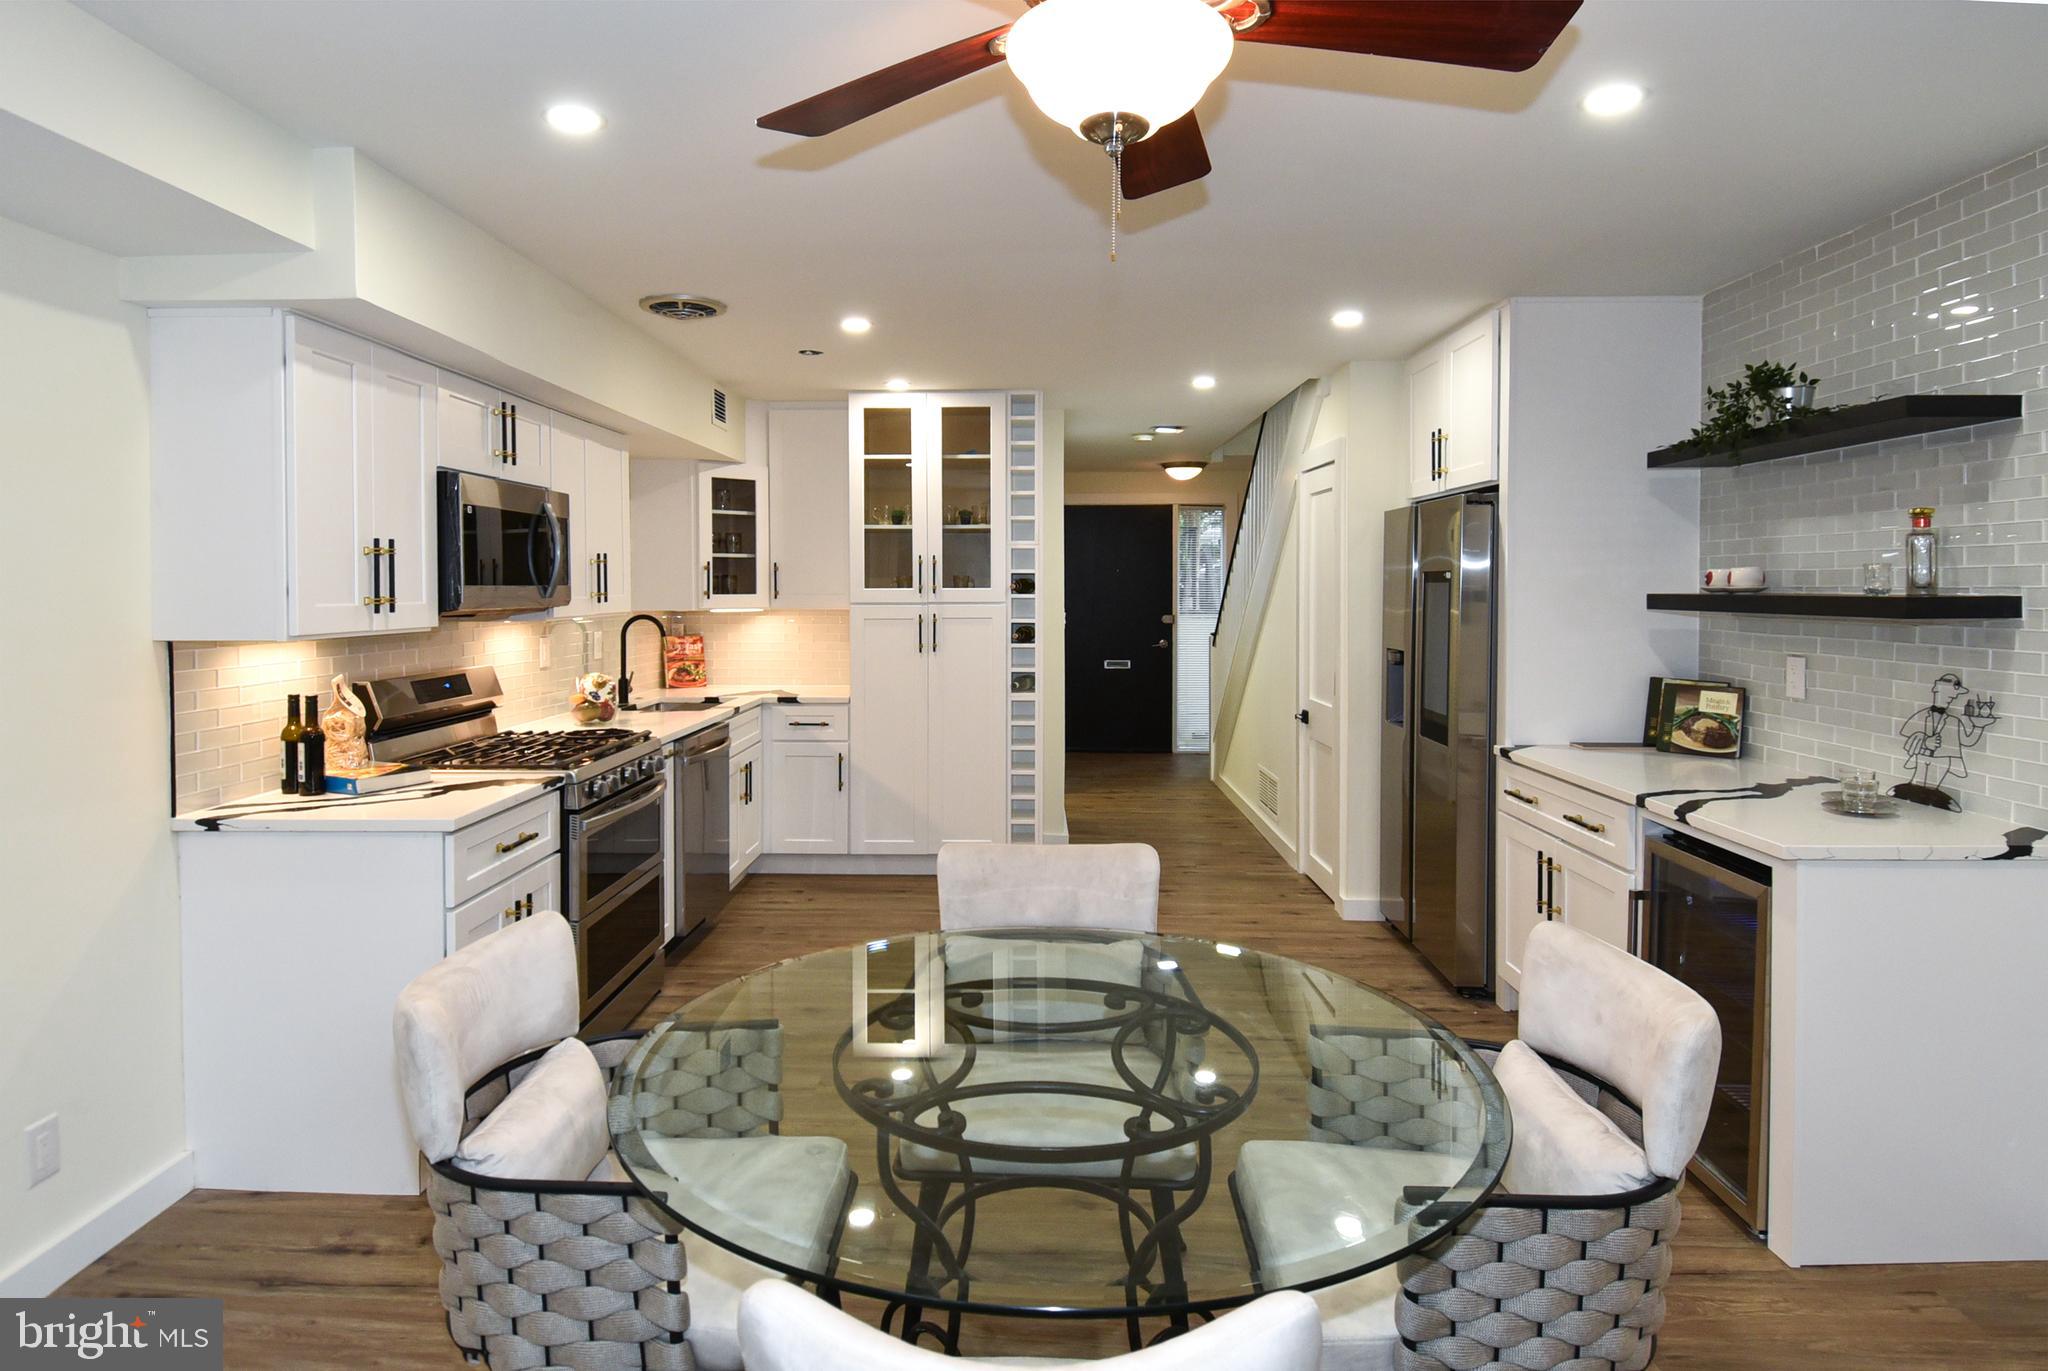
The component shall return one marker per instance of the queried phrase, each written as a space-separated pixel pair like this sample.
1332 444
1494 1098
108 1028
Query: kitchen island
1902 1067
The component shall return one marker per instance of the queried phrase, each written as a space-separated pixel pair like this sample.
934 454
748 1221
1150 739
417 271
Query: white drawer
485 853
1603 827
537 889
807 723
746 728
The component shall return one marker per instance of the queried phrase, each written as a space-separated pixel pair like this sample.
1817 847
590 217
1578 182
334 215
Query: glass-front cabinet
928 498
732 514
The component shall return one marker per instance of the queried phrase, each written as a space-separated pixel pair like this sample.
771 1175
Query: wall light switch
1795 678
43 1157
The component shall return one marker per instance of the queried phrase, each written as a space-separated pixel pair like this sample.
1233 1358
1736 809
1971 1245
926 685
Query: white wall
1222 484
1266 733
89 984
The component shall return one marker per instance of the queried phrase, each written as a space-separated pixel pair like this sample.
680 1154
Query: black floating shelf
1894 418
1826 604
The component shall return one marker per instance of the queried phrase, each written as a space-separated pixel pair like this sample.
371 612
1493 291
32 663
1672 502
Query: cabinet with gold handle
521 841
1529 800
1583 822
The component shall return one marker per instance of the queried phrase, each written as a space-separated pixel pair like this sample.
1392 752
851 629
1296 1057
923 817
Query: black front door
1120 628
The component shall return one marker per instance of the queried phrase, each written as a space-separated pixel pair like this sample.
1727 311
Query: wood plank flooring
341 1281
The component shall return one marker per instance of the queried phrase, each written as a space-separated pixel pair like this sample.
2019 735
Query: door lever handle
1301 716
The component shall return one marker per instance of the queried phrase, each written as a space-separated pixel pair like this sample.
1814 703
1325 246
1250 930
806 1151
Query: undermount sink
677 706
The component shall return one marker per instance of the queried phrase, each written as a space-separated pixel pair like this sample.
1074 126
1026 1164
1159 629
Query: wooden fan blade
1503 35
1171 157
878 90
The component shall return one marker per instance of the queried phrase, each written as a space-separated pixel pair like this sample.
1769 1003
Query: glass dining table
1058 1122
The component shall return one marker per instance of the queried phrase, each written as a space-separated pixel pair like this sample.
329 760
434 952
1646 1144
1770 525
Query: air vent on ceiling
683 308
718 406
1269 792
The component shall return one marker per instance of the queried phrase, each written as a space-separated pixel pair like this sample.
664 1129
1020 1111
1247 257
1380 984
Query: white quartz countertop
450 800
1776 812
668 725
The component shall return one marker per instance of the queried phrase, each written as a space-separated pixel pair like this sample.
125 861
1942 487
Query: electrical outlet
43 1156
1795 678
544 651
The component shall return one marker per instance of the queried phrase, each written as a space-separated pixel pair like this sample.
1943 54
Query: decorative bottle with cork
1923 569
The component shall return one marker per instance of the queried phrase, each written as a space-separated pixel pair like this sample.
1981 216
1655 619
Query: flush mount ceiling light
810 352
1184 469
1142 437
854 323
1125 74
895 383
1612 100
1348 318
1204 382
578 121
1168 428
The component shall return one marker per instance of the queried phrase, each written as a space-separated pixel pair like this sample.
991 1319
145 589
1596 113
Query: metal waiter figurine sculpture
1936 736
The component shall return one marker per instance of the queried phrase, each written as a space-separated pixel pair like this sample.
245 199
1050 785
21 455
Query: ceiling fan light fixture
1184 469
1146 60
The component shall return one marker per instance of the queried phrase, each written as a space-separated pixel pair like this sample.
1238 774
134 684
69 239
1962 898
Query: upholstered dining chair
783 1328
550 1256
1089 885
1566 1263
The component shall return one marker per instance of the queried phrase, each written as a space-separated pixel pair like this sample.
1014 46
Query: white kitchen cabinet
403 444
807 502
487 432
732 535
1593 897
807 806
749 793
929 764
329 581
927 498
535 890
591 469
667 573
1454 409
887 795
1521 891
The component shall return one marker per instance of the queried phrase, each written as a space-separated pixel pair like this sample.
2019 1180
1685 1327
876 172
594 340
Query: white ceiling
974 231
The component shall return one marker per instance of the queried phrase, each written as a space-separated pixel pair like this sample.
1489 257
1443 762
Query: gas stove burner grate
538 750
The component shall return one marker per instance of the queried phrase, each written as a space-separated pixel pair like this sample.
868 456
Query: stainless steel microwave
504 545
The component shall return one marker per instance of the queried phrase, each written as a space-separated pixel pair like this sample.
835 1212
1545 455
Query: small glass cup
1859 789
1877 578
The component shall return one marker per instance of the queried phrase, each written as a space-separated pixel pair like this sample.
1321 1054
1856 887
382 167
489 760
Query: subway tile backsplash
228 699
1948 294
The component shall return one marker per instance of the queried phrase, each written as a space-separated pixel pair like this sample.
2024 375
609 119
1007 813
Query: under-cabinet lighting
736 609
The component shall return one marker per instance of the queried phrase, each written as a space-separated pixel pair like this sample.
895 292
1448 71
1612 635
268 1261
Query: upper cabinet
1454 410
807 532
489 433
926 498
590 467
732 536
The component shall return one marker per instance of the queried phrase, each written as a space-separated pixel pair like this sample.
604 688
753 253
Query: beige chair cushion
1562 1145
1299 1197
783 1328
971 959
1589 1003
1003 885
1052 1120
480 1007
550 1128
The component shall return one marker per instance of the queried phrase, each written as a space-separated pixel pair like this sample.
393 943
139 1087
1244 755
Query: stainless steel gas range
614 838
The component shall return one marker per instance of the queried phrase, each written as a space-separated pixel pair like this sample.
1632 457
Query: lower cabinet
808 783
749 797
1593 896
536 890
929 701
1541 874
1521 891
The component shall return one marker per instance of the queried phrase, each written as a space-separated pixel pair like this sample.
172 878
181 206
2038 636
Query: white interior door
403 429
888 771
329 577
807 501
1321 645
968 701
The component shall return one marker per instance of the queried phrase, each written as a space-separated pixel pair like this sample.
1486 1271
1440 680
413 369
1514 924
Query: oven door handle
613 816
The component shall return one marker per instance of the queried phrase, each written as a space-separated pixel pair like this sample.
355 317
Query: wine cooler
1708 922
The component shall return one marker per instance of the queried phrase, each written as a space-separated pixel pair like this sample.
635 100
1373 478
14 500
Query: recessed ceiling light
1183 469
1964 311
1203 382
1612 100
860 1216
895 383
810 352
854 323
577 121
1142 437
1348 318
1168 428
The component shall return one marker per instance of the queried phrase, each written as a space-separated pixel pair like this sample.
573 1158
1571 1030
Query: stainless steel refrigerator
1436 733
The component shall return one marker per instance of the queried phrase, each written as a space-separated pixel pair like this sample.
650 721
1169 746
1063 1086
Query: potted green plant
1769 394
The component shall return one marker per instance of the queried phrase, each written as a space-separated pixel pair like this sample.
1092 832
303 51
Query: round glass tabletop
1064 1121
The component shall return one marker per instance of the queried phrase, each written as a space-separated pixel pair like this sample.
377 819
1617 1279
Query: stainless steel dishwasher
703 830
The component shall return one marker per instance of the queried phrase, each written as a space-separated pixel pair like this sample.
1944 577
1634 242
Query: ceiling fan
1125 74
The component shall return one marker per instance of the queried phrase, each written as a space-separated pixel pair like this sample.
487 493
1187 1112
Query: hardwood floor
343 1281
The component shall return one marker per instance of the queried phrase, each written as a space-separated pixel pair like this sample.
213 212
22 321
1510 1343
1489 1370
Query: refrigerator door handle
1638 904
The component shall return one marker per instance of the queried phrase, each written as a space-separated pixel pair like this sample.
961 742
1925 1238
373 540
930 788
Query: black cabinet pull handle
810 723
707 580
514 444
920 573
935 633
775 580
920 633
842 771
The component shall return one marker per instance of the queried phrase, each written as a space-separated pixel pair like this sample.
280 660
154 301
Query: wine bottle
313 771
292 737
